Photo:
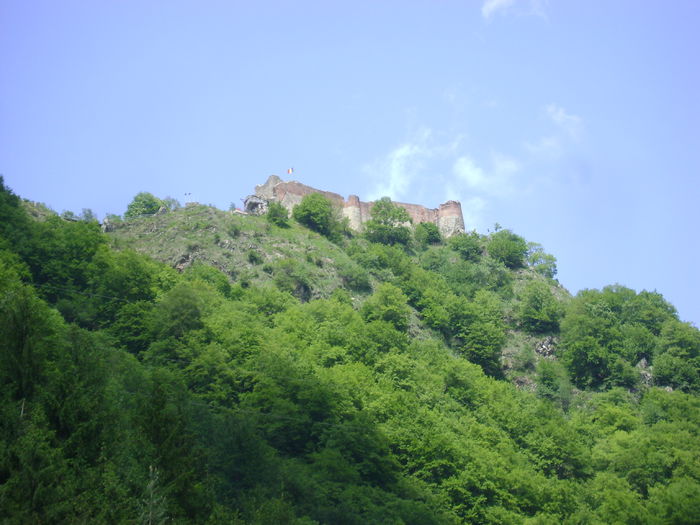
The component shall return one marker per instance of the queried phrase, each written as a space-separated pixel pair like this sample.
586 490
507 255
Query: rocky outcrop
106 226
546 347
447 217
646 376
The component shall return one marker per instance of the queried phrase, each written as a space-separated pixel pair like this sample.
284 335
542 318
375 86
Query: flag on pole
290 171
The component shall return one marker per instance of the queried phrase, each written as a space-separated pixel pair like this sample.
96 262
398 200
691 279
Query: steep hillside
247 248
203 367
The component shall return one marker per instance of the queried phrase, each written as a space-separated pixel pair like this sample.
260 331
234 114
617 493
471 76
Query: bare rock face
645 375
525 383
546 347
255 205
448 217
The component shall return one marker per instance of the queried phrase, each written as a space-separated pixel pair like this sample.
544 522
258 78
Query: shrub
315 212
467 245
354 277
543 263
427 233
254 257
278 215
293 277
539 310
388 223
388 304
144 203
508 248
234 230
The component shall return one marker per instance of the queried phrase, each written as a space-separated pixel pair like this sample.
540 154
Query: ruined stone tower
448 217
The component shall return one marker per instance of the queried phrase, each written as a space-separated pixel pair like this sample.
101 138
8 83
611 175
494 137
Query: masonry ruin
447 217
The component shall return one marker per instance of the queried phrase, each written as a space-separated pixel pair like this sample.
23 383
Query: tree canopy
428 388
508 248
144 203
388 224
316 213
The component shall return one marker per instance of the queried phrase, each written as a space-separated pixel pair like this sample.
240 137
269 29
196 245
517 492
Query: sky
576 124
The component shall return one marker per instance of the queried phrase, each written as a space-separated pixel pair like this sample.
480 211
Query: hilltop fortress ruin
447 217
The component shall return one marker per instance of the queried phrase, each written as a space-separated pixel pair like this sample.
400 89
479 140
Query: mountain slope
134 392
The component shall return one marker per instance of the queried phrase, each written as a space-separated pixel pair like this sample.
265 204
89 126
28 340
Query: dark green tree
15 225
277 215
388 224
507 247
388 303
481 330
171 203
467 245
144 203
543 263
316 213
539 309
88 215
427 233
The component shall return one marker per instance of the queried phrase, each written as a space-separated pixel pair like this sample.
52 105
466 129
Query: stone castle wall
448 217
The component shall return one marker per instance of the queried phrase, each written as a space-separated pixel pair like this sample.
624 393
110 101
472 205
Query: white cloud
466 170
570 123
399 172
504 167
476 186
521 7
496 181
425 164
545 148
398 169
554 146
473 212
491 7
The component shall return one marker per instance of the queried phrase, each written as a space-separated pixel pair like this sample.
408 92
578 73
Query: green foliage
427 233
131 392
388 303
179 311
15 225
254 257
208 274
553 383
277 215
481 330
87 215
605 333
293 277
467 245
677 502
234 230
171 203
677 372
539 310
680 339
508 248
354 276
466 278
316 213
27 334
543 263
388 223
144 203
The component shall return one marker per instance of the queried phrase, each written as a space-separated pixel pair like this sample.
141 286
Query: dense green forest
201 366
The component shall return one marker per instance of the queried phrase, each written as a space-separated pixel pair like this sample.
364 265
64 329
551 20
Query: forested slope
289 372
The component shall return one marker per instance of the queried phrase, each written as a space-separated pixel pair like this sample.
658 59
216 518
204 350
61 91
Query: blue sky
576 124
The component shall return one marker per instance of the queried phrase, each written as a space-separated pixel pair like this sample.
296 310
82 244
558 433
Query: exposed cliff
447 217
